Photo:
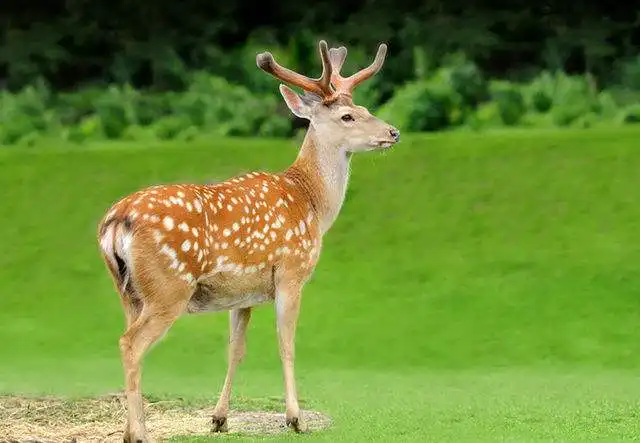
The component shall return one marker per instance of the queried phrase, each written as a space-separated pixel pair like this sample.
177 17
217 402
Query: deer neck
322 173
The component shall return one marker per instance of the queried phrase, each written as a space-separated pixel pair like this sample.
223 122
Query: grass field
474 288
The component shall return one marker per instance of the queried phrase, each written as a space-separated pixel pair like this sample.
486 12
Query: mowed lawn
474 287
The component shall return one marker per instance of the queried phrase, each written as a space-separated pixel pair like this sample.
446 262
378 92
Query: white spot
180 194
194 231
168 223
197 205
157 235
230 207
186 245
288 235
273 235
183 227
189 207
226 232
195 246
181 267
303 228
235 226
187 277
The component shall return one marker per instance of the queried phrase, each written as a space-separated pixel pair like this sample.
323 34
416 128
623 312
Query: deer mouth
383 144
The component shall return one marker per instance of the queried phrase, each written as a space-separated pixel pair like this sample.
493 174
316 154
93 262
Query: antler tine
337 57
347 85
320 86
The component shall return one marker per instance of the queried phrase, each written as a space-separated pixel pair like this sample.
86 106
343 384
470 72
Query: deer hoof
128 438
219 424
297 424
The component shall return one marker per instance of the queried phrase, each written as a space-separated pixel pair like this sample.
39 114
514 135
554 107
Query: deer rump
217 291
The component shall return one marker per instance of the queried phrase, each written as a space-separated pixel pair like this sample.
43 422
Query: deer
181 249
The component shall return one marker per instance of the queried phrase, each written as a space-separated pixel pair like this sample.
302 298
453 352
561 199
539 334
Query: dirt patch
101 419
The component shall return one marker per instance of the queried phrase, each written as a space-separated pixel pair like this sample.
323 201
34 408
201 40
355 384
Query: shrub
631 114
539 93
424 105
628 73
573 97
466 80
510 101
169 127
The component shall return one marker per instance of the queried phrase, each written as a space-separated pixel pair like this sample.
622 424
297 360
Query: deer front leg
287 305
238 321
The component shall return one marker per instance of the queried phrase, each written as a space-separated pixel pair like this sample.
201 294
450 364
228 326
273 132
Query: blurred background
161 70
482 281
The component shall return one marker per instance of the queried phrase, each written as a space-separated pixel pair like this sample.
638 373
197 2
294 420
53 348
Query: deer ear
297 105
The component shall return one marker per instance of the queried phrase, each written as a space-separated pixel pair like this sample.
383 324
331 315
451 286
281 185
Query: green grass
474 287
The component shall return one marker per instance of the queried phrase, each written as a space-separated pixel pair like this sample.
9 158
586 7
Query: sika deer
255 238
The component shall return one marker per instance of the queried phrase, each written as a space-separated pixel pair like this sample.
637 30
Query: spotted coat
246 225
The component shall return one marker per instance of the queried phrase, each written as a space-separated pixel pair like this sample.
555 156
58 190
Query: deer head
327 101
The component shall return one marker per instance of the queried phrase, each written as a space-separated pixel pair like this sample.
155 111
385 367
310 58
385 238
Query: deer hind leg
163 298
150 325
238 322
287 305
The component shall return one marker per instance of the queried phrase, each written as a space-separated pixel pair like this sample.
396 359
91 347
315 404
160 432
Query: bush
424 105
573 97
466 80
540 92
631 114
510 102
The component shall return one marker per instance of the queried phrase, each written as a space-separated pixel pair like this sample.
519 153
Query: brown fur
256 238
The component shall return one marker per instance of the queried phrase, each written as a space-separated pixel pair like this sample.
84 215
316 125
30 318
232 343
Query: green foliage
631 114
628 73
209 104
510 102
450 92
423 105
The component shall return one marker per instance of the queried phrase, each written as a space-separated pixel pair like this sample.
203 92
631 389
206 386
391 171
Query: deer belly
224 294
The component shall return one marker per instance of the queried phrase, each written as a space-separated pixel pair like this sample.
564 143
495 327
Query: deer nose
395 134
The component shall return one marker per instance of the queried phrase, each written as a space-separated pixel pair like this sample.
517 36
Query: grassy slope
473 286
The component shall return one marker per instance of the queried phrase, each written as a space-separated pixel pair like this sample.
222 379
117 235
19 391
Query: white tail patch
106 245
122 247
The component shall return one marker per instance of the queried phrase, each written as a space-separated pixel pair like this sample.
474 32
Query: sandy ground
102 419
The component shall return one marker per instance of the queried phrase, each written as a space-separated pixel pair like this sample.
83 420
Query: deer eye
347 118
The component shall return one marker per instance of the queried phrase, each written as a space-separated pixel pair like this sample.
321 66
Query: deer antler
346 85
320 86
